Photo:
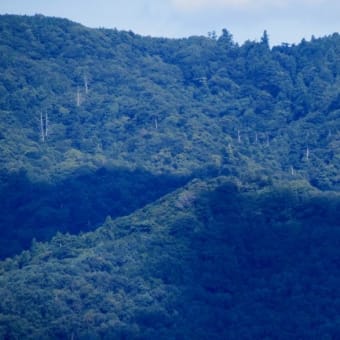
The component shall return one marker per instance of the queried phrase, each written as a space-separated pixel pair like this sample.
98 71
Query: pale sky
285 20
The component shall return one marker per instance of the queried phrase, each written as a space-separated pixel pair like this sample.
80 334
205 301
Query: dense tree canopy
217 259
236 151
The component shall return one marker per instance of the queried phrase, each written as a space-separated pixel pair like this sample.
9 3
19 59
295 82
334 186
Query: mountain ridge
212 249
199 180
77 100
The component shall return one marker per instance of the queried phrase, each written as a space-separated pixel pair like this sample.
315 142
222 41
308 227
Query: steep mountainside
78 102
217 259
73 97
185 188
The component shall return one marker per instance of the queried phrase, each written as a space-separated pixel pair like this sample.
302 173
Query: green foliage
163 104
232 262
98 122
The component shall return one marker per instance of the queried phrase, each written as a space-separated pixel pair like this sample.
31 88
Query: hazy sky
285 20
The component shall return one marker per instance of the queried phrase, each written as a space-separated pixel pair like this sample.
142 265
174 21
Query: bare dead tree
46 124
307 153
43 126
78 97
86 84
42 131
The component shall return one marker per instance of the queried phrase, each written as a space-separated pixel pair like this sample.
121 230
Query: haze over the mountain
223 158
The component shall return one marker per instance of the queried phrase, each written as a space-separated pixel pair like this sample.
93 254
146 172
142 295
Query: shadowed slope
215 259
76 204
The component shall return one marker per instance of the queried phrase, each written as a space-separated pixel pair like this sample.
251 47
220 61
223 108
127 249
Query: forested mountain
216 259
223 158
